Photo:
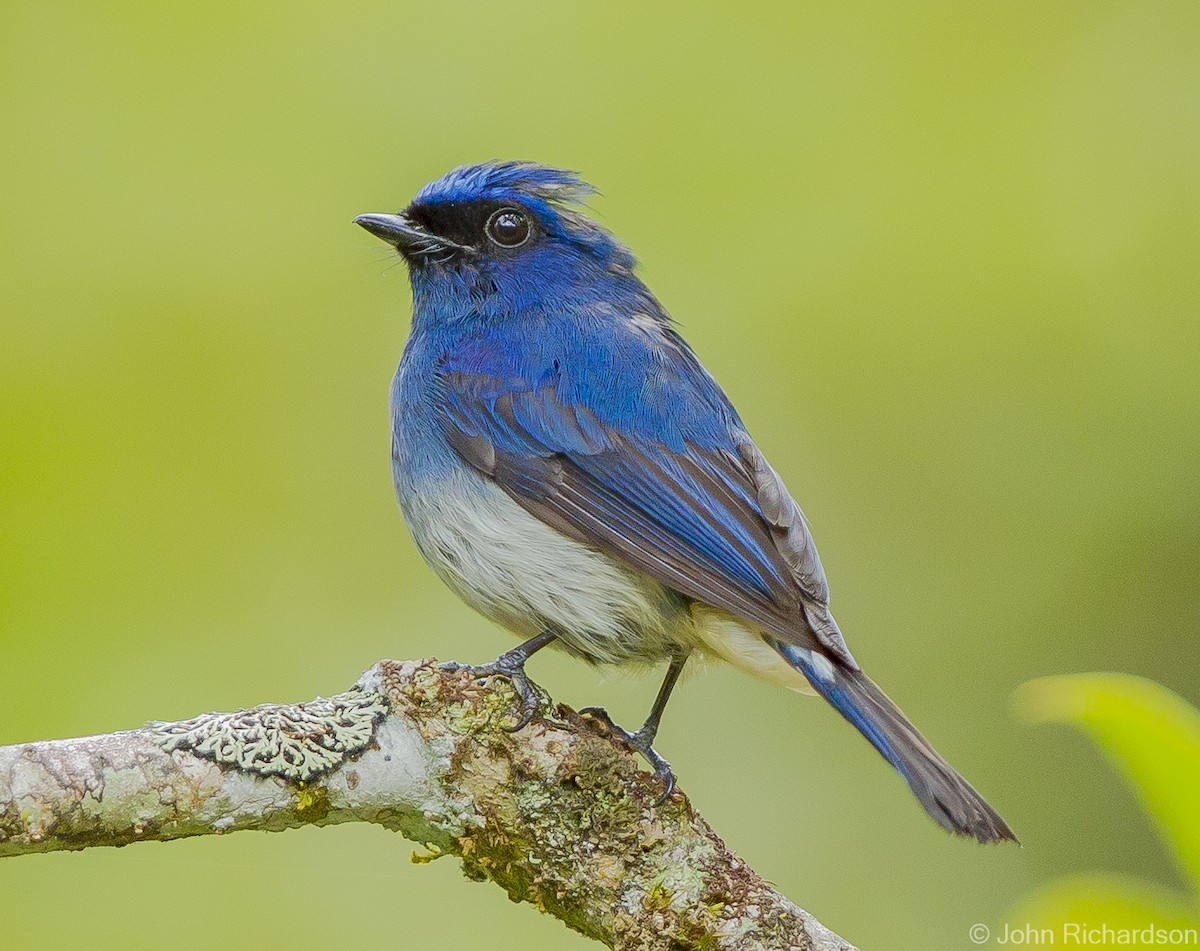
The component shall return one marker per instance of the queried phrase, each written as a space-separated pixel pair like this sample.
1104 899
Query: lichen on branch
558 814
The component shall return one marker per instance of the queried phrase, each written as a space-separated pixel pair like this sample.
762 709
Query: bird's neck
469 300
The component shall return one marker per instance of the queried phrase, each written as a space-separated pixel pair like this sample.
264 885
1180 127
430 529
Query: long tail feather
949 799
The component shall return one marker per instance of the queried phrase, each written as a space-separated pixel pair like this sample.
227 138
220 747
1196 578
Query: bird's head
501 230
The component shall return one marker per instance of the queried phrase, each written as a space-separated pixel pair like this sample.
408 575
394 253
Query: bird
569 468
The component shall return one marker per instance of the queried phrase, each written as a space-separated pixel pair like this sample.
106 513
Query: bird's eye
508 227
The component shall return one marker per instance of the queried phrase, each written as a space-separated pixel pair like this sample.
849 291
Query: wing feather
712 522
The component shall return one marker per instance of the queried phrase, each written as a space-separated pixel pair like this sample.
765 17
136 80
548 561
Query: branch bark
558 815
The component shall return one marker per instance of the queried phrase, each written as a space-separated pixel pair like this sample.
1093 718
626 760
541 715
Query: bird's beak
397 231
416 244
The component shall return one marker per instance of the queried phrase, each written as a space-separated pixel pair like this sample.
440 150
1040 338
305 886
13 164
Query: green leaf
1149 733
1102 900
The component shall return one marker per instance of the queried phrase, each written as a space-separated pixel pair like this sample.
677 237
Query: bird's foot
511 669
639 742
511 665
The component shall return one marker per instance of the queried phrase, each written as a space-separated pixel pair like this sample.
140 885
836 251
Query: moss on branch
558 814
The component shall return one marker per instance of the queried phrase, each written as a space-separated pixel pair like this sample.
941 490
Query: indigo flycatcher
571 470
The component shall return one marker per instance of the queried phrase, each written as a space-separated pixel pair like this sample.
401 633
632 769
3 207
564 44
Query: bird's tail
949 799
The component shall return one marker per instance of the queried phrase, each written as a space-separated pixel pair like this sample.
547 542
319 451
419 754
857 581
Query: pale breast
527 577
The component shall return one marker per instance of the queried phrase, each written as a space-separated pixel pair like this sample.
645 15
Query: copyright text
1084 934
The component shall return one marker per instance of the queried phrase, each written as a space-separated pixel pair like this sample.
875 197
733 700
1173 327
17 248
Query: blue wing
651 465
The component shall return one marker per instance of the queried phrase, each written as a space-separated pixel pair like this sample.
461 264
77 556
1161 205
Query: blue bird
570 469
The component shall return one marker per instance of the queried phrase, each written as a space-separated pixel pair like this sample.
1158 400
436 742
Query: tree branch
558 815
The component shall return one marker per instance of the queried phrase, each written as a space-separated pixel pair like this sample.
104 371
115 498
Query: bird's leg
511 664
642 741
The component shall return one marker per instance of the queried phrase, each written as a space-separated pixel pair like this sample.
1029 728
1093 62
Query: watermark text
1078 934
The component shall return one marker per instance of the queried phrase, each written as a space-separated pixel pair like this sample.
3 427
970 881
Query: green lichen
312 802
298 742
12 823
431 854
561 816
657 898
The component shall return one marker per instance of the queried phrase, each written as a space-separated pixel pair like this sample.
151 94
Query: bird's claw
515 674
639 742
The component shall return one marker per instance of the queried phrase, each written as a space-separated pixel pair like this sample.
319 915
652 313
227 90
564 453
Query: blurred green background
944 257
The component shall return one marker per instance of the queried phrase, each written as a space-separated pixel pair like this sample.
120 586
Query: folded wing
707 517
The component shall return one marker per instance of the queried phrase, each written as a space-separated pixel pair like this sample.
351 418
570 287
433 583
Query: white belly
528 577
